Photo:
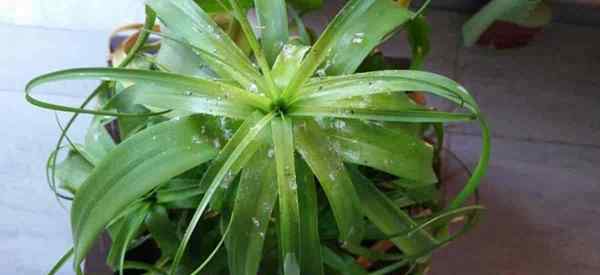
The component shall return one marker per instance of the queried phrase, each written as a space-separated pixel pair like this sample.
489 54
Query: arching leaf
325 163
254 202
130 171
273 25
289 209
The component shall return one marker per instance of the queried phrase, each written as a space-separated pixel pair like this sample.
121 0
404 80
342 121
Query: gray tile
34 230
445 40
557 53
542 203
546 91
562 111
33 51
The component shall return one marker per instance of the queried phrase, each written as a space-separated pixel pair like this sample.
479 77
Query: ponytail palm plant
243 155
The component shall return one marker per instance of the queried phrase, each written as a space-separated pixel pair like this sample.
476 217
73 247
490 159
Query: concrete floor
542 190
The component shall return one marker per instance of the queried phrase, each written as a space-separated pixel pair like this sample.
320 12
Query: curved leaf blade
401 154
390 81
254 203
311 260
197 27
73 171
162 229
289 209
173 99
355 41
388 217
129 171
322 48
121 233
224 168
288 63
273 21
184 84
412 116
329 169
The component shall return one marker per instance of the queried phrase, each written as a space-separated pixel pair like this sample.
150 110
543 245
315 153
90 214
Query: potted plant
507 24
234 155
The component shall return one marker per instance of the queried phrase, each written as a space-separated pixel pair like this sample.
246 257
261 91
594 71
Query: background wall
71 14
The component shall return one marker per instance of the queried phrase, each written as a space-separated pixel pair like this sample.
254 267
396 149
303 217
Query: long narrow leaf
174 99
355 41
256 47
142 38
323 47
256 197
223 169
388 217
129 171
184 84
401 154
329 169
189 21
387 82
311 262
289 209
162 230
480 169
205 64
412 116
288 63
273 22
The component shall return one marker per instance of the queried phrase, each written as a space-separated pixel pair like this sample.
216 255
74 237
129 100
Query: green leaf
289 209
417 31
129 171
479 171
325 163
178 190
303 36
400 154
256 47
166 98
178 57
162 230
306 5
98 142
122 232
73 171
189 21
382 82
355 41
212 6
256 197
224 168
413 116
310 243
212 64
103 89
273 21
380 210
61 262
287 64
142 38
210 89
341 31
